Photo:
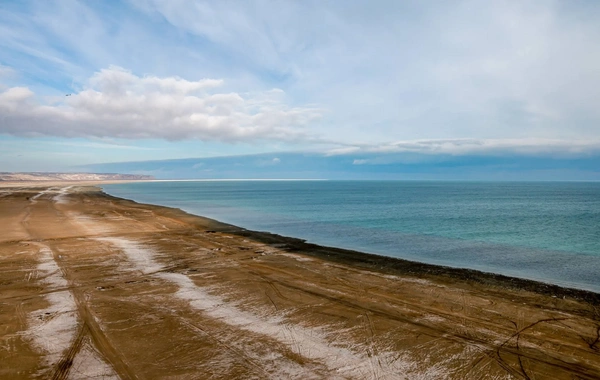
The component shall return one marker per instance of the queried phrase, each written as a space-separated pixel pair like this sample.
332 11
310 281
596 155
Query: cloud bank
396 166
461 147
393 70
115 103
119 104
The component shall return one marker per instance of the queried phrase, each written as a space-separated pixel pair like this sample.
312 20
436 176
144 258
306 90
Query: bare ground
96 287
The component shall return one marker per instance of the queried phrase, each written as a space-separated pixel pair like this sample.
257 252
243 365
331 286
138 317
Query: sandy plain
96 287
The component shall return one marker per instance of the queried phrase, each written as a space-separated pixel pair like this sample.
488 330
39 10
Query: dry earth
95 287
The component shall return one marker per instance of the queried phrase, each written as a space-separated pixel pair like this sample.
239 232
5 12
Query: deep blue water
547 231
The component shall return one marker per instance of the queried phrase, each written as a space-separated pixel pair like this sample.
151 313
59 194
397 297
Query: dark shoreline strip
374 262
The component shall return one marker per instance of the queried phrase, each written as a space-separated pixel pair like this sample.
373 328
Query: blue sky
382 85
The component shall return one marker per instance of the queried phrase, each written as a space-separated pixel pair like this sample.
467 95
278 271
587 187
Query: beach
95 286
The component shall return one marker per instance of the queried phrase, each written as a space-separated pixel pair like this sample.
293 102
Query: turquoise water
547 231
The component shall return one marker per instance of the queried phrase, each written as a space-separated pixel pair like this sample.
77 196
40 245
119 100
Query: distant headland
51 176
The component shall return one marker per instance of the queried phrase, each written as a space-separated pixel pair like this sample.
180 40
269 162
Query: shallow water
548 231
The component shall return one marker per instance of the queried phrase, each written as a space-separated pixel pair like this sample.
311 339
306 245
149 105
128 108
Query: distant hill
6 176
367 166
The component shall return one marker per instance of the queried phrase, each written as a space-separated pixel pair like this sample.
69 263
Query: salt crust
342 359
52 330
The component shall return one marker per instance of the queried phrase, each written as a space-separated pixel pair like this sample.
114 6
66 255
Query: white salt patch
90 225
35 197
88 365
311 343
297 257
142 259
433 318
53 329
410 280
60 197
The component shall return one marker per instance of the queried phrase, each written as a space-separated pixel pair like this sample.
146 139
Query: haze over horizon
311 89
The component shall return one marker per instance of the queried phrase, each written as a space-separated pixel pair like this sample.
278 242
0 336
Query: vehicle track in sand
88 325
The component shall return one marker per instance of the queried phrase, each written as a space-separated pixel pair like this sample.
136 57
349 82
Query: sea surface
547 231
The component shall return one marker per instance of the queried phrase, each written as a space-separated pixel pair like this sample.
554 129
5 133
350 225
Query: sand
104 288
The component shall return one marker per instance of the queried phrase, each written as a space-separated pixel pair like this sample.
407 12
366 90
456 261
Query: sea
545 231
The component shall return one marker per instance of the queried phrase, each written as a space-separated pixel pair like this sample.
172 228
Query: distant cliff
4 176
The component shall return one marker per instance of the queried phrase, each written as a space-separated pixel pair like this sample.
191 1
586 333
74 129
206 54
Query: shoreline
393 265
88 277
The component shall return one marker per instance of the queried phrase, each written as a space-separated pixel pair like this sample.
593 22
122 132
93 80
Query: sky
342 89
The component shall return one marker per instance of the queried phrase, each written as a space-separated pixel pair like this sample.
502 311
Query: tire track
61 371
65 295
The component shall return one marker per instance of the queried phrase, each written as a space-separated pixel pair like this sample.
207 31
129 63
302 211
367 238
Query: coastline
87 277
384 264
404 266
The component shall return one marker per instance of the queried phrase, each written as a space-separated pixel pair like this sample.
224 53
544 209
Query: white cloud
391 70
116 103
6 72
343 150
96 145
